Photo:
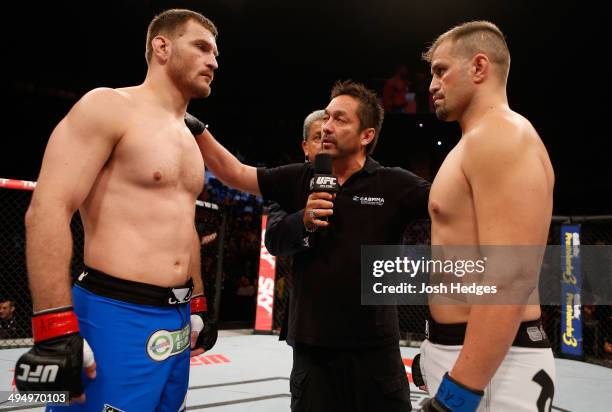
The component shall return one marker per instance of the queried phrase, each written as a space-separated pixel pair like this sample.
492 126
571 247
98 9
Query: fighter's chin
201 92
443 114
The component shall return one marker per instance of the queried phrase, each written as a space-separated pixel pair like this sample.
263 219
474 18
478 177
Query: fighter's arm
509 193
76 152
221 162
203 325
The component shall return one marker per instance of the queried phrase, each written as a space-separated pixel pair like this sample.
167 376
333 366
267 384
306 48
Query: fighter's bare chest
160 155
450 191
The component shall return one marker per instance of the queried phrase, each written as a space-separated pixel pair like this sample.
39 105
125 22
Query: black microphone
324 180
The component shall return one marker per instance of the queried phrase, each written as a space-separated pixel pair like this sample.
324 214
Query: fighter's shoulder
102 102
104 97
498 136
102 109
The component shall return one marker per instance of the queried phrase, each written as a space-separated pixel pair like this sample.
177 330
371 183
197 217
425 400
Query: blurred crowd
240 250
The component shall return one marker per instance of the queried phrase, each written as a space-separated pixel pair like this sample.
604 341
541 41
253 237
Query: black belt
530 334
133 292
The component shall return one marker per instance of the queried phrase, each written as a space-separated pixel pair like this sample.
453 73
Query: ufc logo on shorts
326 180
42 373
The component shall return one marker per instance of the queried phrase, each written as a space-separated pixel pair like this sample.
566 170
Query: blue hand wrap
456 397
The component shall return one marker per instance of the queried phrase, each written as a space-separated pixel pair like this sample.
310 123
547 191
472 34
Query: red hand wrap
51 325
198 304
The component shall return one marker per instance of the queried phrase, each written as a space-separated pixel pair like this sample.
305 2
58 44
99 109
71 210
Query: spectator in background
245 299
397 94
608 347
245 287
8 324
588 311
603 314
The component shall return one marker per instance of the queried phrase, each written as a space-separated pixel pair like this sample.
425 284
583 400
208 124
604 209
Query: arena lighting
439 142
420 124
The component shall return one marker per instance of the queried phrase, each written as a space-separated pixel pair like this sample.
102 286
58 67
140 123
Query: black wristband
195 125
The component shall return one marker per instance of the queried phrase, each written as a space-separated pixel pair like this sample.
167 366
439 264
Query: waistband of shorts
530 334
129 291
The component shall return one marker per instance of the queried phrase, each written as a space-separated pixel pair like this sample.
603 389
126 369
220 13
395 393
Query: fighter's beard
186 84
200 92
442 113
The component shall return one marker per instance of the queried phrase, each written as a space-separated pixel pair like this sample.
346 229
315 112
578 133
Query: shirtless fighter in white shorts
495 187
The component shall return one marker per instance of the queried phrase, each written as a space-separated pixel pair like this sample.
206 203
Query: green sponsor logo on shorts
164 343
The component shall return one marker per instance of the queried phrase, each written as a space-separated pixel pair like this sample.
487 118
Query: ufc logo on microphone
42 373
326 180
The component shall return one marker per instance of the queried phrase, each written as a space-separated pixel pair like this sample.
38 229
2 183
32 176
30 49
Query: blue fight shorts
141 350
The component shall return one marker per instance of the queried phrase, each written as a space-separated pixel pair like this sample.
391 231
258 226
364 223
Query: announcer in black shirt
346 356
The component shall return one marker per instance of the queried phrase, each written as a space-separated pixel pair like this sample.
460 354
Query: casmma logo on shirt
369 200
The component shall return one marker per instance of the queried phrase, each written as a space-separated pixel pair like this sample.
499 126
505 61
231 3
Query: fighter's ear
480 67
161 46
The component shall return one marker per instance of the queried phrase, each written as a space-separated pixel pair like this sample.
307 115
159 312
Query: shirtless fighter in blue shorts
125 159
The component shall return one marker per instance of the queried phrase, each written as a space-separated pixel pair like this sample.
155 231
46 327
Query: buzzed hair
475 37
170 21
310 119
369 111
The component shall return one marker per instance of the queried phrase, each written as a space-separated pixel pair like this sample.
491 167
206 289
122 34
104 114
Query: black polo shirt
372 207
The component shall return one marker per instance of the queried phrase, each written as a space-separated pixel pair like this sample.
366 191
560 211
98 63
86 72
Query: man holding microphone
345 355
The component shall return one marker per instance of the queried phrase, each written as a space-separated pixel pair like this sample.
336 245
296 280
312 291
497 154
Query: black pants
338 380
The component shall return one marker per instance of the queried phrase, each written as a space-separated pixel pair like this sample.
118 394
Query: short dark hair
370 112
475 37
169 21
